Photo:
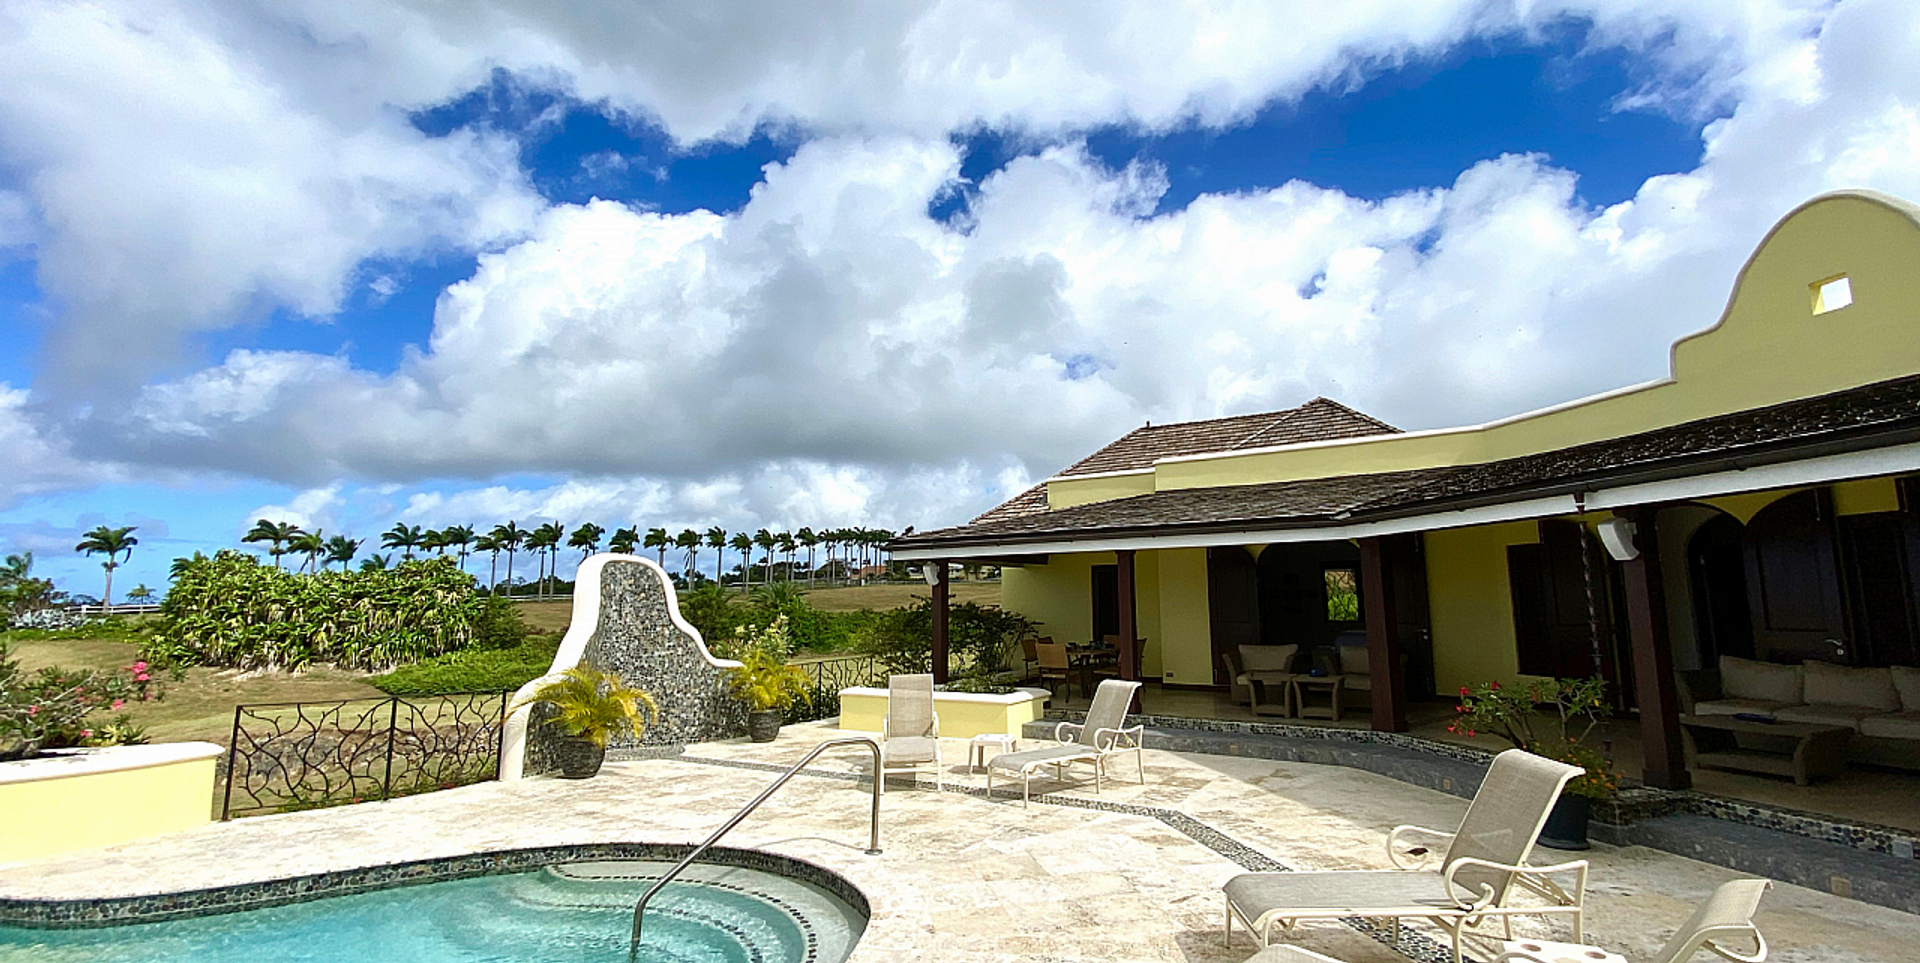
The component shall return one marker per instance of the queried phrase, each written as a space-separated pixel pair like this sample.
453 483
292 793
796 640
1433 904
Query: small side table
1334 684
1561 952
977 747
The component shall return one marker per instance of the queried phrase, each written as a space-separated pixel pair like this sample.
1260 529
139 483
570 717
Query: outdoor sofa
1880 705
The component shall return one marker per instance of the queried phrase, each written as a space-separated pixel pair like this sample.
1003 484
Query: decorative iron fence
829 676
306 755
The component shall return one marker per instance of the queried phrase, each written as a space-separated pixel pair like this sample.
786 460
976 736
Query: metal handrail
873 845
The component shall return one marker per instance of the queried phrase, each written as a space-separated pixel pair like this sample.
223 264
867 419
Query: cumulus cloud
37 460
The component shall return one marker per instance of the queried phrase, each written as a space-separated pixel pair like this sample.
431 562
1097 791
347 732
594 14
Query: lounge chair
910 733
1484 864
1101 736
1727 914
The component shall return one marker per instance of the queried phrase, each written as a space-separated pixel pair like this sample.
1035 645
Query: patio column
1129 655
1389 683
1664 764
939 620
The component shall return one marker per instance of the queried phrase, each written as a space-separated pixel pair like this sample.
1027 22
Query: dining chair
1055 666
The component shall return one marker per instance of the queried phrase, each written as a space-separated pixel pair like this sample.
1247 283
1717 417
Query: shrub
980 638
50 709
1548 717
471 670
231 610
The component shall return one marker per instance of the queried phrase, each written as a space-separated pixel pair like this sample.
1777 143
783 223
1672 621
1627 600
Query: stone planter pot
1566 826
578 757
763 725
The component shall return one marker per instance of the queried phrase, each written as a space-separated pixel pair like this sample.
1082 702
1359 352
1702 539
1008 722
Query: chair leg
1140 758
1229 939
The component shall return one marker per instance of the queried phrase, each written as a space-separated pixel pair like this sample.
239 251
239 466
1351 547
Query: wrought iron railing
828 677
306 755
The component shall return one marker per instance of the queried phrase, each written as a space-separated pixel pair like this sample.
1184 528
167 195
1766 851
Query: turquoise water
550 916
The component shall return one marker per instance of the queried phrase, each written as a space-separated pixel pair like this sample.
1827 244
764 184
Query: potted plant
765 682
1551 718
591 706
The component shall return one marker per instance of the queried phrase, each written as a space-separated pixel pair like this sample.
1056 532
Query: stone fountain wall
637 636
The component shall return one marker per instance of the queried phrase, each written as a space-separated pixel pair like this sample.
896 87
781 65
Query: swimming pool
569 913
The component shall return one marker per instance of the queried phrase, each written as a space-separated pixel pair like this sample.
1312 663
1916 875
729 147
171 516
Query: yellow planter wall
962 715
67 813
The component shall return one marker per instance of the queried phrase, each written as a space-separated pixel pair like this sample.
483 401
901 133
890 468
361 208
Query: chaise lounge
1104 734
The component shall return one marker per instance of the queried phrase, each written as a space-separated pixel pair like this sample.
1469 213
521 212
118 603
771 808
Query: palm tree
743 543
342 549
717 540
765 540
624 541
110 542
311 544
586 538
141 593
279 533
375 563
787 548
509 537
806 537
689 540
545 540
488 544
406 538
657 538
460 537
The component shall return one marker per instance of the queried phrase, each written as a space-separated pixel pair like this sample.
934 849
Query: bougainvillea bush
230 610
1549 717
55 708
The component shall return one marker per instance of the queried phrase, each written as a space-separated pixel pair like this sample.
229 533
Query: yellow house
1758 503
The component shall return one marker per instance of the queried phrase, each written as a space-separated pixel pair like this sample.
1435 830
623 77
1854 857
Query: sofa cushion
1906 681
1738 707
1837 685
1826 715
1748 679
1267 658
1893 725
1354 660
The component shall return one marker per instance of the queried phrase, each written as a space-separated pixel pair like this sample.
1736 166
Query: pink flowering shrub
1548 717
53 708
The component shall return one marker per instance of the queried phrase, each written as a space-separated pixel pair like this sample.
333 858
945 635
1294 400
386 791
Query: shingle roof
1855 419
1321 419
1033 501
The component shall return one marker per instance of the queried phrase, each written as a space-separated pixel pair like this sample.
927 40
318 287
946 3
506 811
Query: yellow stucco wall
1058 594
1065 493
1471 604
62 815
1185 650
959 718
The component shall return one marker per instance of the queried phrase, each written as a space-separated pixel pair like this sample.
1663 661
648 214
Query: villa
1759 503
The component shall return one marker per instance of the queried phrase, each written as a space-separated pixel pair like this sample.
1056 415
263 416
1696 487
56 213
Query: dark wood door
1406 559
1106 601
1794 592
1717 570
1879 572
1233 603
1563 606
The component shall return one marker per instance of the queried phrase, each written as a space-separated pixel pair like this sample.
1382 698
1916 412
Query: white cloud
34 460
312 509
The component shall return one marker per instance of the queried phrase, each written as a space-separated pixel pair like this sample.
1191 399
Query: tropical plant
1547 717
404 537
230 610
689 541
657 539
546 541
624 541
140 594
310 544
49 709
341 549
764 680
20 592
787 547
979 638
459 537
586 538
807 539
743 543
509 536
594 705
765 541
278 534
376 563
111 542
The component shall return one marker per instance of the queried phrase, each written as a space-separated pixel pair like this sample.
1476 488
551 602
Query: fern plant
595 705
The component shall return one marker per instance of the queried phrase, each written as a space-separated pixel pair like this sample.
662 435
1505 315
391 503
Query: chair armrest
1578 867
1711 942
936 726
1424 853
1134 735
1060 731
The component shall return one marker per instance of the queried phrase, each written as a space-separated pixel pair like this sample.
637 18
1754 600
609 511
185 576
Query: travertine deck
963 878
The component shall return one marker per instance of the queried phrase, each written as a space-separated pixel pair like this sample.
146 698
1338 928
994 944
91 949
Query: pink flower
117 703
1494 685
33 710
86 733
140 677
1463 690
1472 733
138 667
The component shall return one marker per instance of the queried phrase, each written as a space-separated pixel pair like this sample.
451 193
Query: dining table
1084 656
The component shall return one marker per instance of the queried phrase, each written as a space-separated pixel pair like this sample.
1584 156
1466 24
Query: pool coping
262 894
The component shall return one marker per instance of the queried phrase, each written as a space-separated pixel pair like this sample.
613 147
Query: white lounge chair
1104 734
1727 914
1484 864
910 733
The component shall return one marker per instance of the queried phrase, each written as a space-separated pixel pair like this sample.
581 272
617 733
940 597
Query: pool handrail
873 846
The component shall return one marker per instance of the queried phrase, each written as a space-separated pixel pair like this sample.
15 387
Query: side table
977 748
1549 952
1334 684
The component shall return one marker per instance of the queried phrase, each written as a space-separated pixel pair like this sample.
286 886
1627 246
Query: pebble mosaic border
118 911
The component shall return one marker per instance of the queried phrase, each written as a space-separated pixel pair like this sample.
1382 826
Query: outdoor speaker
1617 535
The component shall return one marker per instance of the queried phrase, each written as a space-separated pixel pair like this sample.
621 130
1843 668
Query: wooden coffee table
1801 750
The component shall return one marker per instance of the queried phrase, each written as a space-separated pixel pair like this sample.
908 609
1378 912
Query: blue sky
257 337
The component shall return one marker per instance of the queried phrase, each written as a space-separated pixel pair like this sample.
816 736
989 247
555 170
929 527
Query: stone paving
965 878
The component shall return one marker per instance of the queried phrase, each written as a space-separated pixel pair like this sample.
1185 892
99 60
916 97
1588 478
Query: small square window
1832 294
1343 594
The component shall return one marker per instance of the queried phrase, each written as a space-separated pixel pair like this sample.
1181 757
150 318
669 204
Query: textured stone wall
637 638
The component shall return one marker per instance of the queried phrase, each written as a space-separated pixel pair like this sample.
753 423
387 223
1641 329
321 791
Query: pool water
577 913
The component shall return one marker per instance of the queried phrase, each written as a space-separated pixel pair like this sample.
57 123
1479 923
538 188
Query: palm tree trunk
509 573
108 598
